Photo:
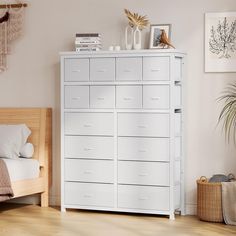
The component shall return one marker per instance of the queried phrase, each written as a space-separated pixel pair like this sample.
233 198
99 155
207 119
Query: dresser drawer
178 124
76 69
129 69
143 197
143 173
89 147
89 194
129 96
102 96
156 96
156 68
89 124
177 95
143 149
102 69
178 68
143 124
100 171
76 96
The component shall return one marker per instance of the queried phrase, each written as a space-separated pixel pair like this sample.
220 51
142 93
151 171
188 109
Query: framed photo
220 42
155 34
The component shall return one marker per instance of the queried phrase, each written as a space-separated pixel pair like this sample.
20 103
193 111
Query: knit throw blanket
6 191
229 202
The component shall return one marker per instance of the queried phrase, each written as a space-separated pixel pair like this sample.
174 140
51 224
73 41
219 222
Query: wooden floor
24 220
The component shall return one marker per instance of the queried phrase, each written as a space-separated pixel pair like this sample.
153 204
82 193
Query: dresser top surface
145 52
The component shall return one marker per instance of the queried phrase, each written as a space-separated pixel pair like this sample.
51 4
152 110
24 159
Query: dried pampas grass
136 20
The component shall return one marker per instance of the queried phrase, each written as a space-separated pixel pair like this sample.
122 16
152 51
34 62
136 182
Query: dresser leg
172 216
63 209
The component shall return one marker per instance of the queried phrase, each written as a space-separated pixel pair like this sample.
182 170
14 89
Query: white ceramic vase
129 32
137 39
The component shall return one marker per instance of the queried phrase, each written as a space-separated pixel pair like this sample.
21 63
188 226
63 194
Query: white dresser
121 131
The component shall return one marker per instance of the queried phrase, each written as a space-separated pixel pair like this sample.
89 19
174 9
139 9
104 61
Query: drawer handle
143 175
87 125
102 70
76 71
101 99
155 70
127 71
87 195
88 172
128 98
155 98
76 98
88 149
142 126
143 198
142 151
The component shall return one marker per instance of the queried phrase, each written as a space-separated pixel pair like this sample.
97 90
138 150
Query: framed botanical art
220 42
155 35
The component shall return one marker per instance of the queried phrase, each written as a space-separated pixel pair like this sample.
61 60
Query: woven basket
209 202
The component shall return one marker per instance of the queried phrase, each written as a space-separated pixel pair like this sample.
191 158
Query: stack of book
88 42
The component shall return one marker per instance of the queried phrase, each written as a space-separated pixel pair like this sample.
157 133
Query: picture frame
155 33
220 42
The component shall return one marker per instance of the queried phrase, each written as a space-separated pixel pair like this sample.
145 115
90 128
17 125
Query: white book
87 41
88 46
87 49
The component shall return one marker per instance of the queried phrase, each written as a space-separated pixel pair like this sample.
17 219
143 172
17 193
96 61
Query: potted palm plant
228 112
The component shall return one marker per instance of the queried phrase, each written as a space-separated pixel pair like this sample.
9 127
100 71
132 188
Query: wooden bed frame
39 121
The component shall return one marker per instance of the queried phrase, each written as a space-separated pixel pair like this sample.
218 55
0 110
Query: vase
137 39
129 37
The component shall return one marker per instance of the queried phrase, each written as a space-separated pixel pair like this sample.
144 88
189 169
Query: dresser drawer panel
143 124
102 69
143 149
76 96
102 96
76 69
129 69
178 124
129 96
156 68
177 95
178 148
89 124
143 197
156 96
178 69
100 171
89 194
143 173
89 147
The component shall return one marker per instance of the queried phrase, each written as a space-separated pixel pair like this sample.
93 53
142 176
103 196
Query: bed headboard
39 120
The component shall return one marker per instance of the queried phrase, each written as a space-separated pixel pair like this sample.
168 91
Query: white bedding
21 169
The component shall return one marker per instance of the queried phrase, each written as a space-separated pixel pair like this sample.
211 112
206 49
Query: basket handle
203 179
231 177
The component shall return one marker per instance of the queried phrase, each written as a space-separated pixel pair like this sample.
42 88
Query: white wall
32 79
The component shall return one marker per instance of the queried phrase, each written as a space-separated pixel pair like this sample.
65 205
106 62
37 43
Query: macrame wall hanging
11 26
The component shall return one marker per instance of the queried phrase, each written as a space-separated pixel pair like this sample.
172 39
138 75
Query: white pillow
27 151
12 138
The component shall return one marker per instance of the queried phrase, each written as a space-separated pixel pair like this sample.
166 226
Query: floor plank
19 220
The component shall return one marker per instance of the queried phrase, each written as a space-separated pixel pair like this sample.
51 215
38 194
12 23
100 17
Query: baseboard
191 209
54 200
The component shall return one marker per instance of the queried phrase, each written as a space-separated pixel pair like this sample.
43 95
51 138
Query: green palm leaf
228 112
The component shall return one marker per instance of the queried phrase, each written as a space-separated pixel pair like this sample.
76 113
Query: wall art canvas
220 42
